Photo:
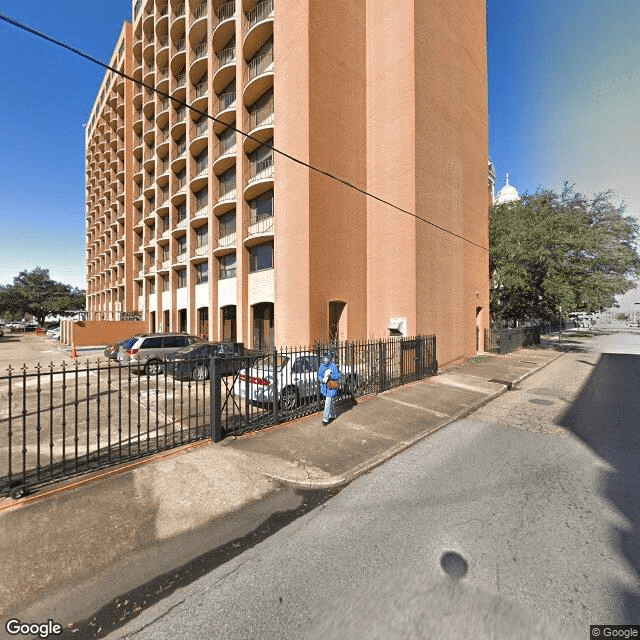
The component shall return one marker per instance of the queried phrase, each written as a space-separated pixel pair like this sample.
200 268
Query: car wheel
153 368
289 399
18 492
201 372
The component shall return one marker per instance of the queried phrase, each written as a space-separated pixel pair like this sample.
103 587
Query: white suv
149 350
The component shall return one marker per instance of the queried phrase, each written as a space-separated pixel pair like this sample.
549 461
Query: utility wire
346 183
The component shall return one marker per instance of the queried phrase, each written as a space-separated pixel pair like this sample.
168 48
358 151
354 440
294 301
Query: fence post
419 358
276 399
215 400
382 366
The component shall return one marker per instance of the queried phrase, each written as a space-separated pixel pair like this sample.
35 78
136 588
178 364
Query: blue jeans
329 409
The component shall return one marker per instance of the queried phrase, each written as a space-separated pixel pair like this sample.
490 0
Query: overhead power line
346 183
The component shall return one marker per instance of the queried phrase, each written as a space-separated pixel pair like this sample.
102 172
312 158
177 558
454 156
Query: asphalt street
531 504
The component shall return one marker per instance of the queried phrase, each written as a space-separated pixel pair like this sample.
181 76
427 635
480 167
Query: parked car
297 380
111 350
149 350
194 362
54 334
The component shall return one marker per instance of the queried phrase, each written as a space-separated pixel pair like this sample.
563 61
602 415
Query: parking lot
71 415
28 348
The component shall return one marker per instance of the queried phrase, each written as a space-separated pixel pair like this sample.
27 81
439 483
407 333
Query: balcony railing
226 11
181 80
181 223
180 46
260 64
260 117
163 42
202 212
181 183
227 100
227 145
202 250
182 149
261 170
163 10
202 89
260 12
202 166
179 10
201 50
226 56
200 11
202 127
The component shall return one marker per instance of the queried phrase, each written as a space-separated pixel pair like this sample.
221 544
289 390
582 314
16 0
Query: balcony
258 230
225 110
225 244
180 46
259 126
199 64
224 25
201 214
201 251
225 199
201 93
200 175
259 76
259 27
259 178
224 69
226 155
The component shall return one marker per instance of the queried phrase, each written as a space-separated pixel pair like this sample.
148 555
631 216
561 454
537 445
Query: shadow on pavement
606 417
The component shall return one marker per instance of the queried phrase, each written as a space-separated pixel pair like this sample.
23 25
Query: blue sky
564 96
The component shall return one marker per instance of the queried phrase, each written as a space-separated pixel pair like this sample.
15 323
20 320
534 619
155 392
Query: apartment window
261 257
202 234
151 286
140 288
182 278
182 178
202 273
227 140
227 181
227 224
166 255
227 266
164 223
182 211
202 198
165 284
261 207
182 245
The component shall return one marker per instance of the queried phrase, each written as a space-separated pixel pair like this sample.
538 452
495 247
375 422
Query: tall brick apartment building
202 229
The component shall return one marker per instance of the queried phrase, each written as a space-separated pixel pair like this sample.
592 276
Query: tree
34 292
560 250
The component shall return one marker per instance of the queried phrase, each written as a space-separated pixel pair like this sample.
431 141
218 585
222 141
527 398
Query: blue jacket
335 375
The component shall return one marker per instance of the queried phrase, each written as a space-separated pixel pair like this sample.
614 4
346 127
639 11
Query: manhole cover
454 564
540 401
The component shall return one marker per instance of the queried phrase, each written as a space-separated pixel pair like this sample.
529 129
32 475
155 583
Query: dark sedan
193 362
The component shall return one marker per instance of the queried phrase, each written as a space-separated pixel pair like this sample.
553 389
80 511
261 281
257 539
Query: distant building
508 193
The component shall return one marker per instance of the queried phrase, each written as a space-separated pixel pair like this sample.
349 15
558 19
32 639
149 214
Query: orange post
74 353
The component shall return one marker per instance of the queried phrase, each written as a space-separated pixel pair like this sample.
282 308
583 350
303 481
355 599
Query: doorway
263 325
336 309
229 327
182 320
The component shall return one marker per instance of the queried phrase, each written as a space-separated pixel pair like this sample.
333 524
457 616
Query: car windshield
266 362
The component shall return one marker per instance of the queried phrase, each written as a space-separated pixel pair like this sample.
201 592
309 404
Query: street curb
346 478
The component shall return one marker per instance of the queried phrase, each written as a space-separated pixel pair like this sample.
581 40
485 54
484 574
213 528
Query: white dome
508 193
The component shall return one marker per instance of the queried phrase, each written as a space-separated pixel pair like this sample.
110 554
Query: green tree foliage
553 250
34 292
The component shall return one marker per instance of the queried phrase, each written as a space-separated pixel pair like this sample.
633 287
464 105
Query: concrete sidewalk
74 547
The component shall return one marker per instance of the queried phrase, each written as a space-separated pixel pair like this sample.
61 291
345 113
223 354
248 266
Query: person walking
328 375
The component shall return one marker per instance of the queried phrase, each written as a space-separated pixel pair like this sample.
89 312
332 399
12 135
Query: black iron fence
57 422
506 340
283 385
61 421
